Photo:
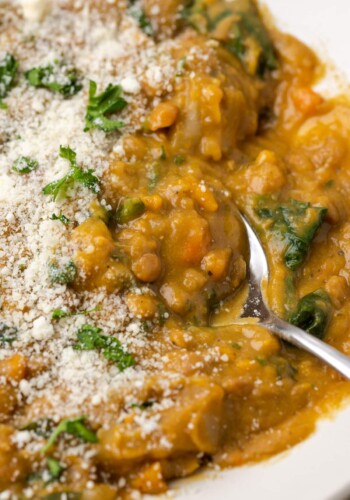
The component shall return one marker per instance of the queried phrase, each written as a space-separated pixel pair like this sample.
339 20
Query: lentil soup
131 136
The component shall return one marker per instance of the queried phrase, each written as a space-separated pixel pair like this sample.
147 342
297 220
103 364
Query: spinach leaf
8 72
295 224
90 338
102 105
75 427
41 427
313 313
142 20
247 38
60 313
250 27
58 77
75 174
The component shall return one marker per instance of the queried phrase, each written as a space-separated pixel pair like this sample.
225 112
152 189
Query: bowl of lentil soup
131 136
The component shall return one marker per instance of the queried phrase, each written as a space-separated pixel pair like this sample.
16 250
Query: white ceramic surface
318 468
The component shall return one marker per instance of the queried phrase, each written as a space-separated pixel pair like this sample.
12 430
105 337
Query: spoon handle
308 342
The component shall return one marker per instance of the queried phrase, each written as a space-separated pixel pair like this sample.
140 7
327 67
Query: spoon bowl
257 307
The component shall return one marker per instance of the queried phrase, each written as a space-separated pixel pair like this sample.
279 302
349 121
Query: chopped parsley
75 427
75 174
8 334
8 72
62 218
142 20
42 427
55 468
60 313
143 406
24 165
58 77
90 338
62 275
102 105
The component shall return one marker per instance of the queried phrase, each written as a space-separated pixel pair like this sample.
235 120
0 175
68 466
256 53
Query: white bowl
318 468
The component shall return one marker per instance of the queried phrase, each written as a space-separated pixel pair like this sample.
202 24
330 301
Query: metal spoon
256 307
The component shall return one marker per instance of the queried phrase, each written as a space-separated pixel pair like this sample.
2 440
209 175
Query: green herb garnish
62 218
60 313
90 338
129 209
295 224
313 313
102 105
75 174
143 406
58 77
55 467
8 72
248 38
76 427
142 20
24 165
8 334
62 275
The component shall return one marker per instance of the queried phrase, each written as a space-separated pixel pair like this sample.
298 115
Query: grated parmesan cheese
35 124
